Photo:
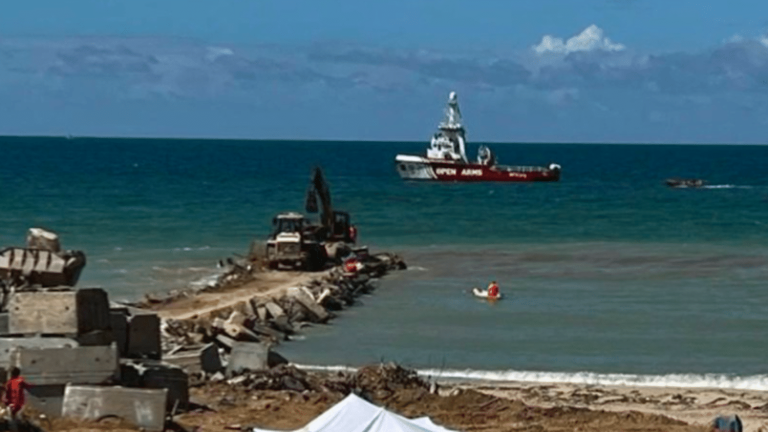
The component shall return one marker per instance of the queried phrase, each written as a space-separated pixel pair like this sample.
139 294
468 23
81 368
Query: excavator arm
334 224
318 191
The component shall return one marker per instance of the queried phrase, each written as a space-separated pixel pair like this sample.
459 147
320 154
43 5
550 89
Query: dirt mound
372 382
382 380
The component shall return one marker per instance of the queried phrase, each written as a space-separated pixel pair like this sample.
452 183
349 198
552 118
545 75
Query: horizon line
367 141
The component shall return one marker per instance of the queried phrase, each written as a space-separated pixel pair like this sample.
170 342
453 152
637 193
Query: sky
624 71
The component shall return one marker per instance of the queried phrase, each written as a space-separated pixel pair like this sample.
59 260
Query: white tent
354 414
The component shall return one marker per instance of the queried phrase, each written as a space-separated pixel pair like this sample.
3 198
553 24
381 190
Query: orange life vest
350 266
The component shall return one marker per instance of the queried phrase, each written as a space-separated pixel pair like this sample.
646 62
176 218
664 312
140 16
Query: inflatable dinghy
484 294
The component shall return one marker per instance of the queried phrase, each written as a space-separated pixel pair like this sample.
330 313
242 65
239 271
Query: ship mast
452 126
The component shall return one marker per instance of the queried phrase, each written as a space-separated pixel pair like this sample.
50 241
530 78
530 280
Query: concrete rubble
74 350
88 357
270 321
378 381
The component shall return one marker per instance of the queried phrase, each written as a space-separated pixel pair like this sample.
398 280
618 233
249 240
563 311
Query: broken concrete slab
205 359
283 324
77 365
225 341
267 331
248 309
236 318
304 298
248 356
143 407
261 311
239 332
274 310
58 312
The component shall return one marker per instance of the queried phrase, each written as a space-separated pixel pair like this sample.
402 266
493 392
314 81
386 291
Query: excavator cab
287 223
341 228
292 243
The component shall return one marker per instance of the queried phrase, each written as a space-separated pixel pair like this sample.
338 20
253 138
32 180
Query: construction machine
298 243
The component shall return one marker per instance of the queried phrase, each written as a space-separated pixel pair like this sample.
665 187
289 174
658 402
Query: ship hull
418 168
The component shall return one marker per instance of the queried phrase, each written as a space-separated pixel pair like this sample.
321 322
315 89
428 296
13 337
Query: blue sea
608 275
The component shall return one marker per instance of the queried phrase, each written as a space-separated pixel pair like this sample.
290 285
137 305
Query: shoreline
677 408
469 407
697 406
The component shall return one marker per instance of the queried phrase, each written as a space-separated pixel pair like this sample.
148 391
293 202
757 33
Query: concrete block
9 345
274 310
79 365
96 338
261 311
170 377
144 337
210 359
143 407
206 359
158 374
226 341
130 373
267 331
304 297
248 356
47 399
58 312
118 319
4 324
248 309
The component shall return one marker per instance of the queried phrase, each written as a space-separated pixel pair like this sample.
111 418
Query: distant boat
446 158
684 183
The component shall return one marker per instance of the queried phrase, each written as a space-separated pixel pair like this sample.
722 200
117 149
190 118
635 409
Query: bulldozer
298 243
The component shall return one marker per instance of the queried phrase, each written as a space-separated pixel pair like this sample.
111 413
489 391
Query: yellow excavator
298 243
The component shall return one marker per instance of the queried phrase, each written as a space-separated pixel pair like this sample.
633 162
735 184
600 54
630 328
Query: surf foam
719 381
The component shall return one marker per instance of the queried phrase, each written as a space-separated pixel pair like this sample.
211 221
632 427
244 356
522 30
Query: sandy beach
481 407
496 407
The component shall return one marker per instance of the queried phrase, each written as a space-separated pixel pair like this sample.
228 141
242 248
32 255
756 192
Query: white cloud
216 52
764 40
590 39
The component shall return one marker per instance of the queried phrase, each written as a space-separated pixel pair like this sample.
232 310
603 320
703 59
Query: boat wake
719 381
726 186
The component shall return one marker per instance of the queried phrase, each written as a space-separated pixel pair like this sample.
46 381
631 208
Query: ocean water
608 275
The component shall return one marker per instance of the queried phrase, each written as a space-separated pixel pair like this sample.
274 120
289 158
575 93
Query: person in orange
493 290
351 265
14 392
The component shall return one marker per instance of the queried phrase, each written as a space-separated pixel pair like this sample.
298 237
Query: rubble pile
86 357
389 377
379 380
